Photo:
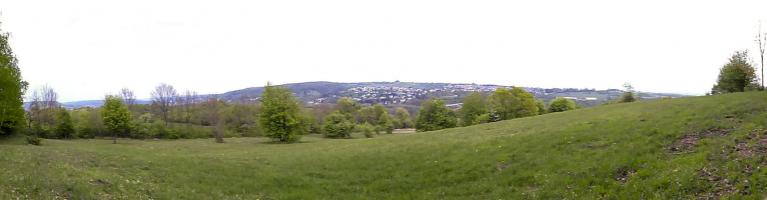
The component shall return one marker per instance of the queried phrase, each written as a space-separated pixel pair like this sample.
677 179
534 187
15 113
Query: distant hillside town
407 93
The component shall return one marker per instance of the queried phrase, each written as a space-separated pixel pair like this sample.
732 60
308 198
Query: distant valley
407 94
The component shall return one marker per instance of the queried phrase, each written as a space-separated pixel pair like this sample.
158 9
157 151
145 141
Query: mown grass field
700 147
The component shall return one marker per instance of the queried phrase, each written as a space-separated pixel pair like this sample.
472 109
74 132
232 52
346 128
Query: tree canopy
12 89
474 106
434 115
560 104
281 114
116 116
508 104
737 75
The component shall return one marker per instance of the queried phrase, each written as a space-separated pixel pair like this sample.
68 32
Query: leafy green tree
509 104
385 123
347 105
366 114
311 123
117 117
402 118
560 104
280 116
737 75
541 107
372 114
434 115
527 103
242 118
64 126
337 125
366 129
474 105
12 89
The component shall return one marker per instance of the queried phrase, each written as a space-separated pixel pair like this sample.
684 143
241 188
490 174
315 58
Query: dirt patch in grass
624 173
500 166
755 143
99 182
687 142
720 186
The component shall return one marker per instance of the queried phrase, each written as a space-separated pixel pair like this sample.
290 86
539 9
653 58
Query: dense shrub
33 140
366 130
337 125
434 115
560 104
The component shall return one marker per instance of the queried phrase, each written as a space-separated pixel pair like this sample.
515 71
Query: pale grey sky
85 49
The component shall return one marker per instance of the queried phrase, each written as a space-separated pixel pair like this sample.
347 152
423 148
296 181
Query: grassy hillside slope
678 148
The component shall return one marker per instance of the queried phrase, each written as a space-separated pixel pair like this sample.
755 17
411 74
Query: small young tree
337 125
128 97
628 94
280 114
761 42
214 116
163 97
64 126
385 123
541 107
560 104
736 76
474 105
434 115
116 116
402 116
366 130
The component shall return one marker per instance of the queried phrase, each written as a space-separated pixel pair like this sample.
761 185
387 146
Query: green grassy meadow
699 147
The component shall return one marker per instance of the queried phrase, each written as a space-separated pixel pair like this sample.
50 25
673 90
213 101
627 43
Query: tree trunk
219 132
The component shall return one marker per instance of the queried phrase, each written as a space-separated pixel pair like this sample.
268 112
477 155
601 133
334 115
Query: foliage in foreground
12 89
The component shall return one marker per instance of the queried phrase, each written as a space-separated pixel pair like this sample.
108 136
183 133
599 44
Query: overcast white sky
85 49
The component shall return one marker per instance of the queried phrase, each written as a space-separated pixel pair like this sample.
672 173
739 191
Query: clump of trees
738 75
502 104
338 125
349 116
434 115
507 104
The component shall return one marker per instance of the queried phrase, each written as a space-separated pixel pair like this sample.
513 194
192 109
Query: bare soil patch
687 142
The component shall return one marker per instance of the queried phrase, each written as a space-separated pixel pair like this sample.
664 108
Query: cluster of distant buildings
403 95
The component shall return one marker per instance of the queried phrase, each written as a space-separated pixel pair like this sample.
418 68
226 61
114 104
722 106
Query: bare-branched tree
761 41
163 98
128 97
